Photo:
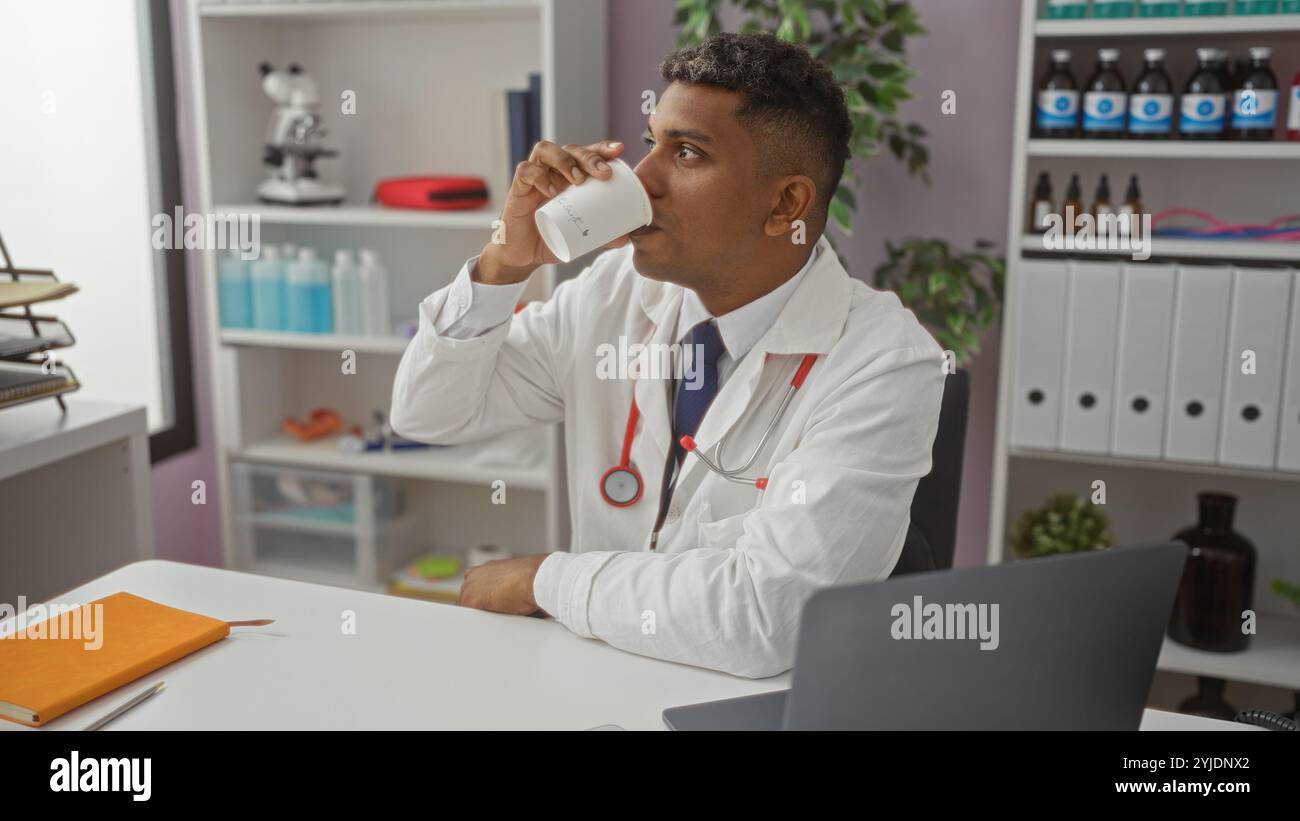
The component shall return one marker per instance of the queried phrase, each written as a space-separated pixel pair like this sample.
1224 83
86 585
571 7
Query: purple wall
183 531
970 49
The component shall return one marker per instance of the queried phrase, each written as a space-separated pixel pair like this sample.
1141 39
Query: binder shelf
1138 384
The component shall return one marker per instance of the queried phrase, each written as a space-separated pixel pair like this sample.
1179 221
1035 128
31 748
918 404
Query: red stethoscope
621 485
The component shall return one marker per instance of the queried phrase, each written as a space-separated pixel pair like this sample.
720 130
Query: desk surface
410 665
38 433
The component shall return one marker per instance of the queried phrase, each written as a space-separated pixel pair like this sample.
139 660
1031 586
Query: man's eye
649 140
694 154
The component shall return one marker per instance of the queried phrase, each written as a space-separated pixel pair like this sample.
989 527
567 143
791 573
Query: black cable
1266 719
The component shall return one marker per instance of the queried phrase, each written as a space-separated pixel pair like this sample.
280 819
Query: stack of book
431 577
28 371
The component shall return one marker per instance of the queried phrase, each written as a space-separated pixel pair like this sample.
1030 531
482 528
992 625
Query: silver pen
139 699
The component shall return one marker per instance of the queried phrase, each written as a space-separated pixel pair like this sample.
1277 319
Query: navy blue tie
699 383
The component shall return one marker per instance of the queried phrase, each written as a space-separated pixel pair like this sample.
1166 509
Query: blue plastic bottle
322 301
234 291
309 308
268 291
345 292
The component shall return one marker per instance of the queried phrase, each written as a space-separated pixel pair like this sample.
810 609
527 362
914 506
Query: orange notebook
43 678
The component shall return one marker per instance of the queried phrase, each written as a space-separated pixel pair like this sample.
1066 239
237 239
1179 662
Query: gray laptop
1058 643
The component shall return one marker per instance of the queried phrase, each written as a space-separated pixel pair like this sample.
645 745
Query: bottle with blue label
1151 102
1254 103
1203 109
1066 9
267 276
1204 8
234 291
308 306
1105 100
1159 8
1056 111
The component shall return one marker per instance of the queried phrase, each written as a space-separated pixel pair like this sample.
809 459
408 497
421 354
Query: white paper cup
582 218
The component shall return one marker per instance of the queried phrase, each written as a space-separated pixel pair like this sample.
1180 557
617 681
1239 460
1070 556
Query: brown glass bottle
1218 580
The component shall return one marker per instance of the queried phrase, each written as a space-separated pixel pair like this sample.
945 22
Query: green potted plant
1065 523
956 294
1287 590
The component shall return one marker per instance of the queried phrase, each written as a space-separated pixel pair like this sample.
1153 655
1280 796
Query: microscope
293 141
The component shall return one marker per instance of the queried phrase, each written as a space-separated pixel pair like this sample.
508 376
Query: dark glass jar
1203 107
1218 580
1056 107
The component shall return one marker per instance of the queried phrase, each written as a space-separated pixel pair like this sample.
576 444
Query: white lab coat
733 565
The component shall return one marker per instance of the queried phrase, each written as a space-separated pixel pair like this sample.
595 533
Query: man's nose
647 172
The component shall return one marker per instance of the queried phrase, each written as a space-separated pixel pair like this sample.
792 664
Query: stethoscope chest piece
621 486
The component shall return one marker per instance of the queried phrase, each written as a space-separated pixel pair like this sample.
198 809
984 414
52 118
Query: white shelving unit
429 99
314 342
371 216
1149 500
1166 26
1164 149
1226 249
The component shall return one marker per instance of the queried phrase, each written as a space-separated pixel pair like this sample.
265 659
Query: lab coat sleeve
474 370
474 308
735 606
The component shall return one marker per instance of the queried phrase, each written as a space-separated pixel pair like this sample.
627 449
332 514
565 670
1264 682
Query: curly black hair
792 105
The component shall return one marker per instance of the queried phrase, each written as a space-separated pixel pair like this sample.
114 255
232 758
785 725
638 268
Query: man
747 144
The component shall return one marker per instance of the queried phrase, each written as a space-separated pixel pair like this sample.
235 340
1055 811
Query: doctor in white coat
669 558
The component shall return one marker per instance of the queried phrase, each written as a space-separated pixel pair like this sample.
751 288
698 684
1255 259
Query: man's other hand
503 586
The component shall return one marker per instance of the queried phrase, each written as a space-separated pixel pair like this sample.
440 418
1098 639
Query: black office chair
932 536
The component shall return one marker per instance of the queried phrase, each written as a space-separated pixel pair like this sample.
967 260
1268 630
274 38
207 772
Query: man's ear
794 201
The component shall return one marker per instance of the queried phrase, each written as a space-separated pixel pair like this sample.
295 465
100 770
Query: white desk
411 665
76 498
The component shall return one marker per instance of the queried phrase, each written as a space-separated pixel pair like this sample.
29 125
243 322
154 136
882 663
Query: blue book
534 109
517 122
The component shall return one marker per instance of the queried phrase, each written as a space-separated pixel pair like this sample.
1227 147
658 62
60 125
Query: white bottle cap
306 254
1108 55
1153 54
343 257
270 252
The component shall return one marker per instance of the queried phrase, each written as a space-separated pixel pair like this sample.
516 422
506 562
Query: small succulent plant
1066 523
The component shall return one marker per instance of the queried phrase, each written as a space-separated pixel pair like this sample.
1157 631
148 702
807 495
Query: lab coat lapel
811 322
661 305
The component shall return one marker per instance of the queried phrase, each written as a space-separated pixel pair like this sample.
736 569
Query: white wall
75 185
